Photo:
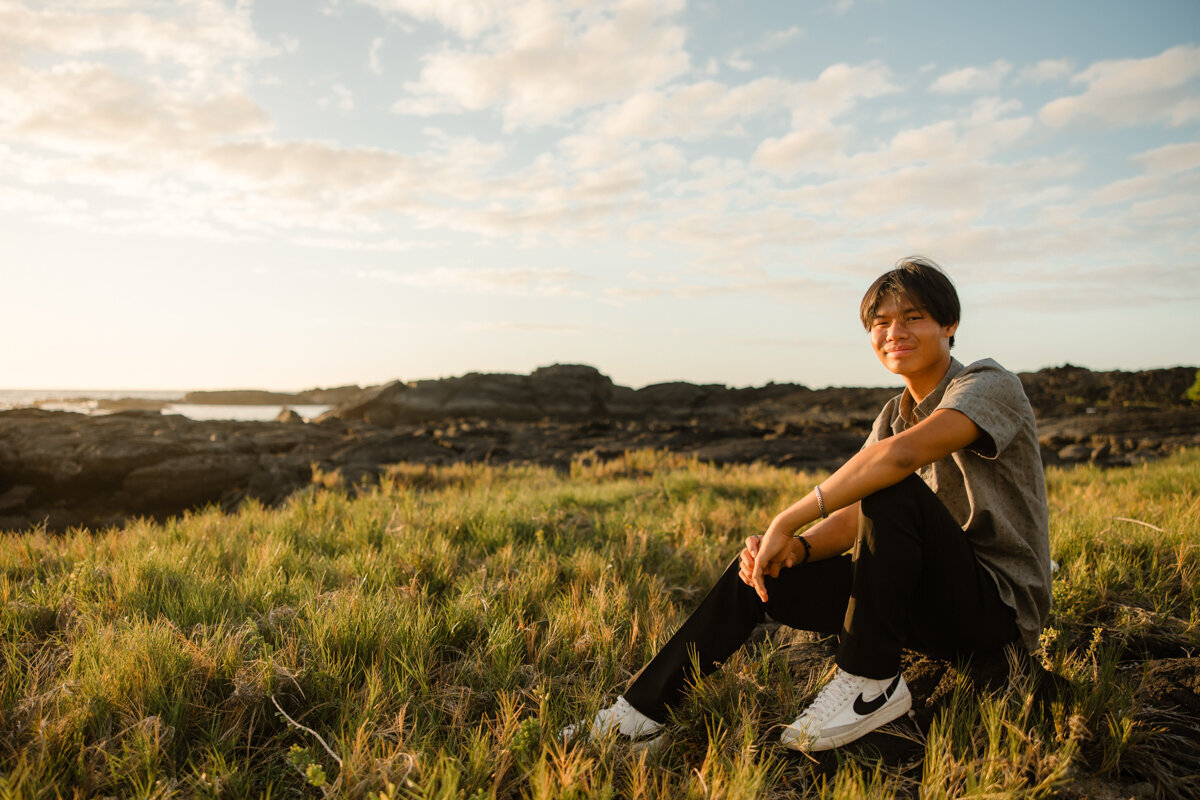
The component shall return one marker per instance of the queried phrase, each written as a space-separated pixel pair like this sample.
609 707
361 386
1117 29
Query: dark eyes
909 318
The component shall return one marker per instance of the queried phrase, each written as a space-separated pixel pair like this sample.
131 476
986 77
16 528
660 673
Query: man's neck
920 385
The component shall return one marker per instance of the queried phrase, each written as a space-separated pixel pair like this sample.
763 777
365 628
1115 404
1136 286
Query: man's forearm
833 536
882 464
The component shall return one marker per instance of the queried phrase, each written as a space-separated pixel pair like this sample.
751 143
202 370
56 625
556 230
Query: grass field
428 637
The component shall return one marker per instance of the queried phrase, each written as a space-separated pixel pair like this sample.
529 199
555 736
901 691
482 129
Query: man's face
906 339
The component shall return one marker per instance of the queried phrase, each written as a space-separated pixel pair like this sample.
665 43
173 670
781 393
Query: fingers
759 583
757 576
746 569
746 559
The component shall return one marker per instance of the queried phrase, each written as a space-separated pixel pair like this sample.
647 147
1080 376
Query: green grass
426 639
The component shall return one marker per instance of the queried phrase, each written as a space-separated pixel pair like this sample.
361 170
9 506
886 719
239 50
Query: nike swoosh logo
864 707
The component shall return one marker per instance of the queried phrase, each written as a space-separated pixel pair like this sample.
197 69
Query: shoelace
835 694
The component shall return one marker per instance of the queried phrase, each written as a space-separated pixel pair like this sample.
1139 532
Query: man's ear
949 330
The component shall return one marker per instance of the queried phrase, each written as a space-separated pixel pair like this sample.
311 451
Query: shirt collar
910 413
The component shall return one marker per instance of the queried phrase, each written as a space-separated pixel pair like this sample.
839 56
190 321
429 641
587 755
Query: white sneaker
848 707
642 732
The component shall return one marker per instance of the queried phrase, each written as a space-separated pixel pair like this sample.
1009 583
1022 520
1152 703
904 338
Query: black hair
920 279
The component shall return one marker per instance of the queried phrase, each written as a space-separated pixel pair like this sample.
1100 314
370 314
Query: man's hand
746 560
765 555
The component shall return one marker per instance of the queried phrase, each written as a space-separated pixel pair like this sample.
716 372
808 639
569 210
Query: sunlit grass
436 631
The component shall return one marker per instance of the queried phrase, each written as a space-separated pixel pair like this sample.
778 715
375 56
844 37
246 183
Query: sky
294 193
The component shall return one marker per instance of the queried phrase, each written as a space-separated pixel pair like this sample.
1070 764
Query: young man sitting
944 508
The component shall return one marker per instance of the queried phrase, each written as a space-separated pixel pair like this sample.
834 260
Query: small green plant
1193 393
301 759
527 740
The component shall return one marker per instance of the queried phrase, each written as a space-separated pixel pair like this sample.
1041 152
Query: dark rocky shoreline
65 470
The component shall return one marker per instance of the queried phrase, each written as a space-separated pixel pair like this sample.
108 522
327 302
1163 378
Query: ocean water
87 401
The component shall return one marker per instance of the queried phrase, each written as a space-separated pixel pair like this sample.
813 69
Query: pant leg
914 582
917 584
809 597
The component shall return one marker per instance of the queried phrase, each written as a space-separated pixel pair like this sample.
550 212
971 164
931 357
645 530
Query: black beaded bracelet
807 549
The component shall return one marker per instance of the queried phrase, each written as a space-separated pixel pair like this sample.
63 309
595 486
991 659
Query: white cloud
701 282
1170 205
694 110
952 189
466 152
514 280
350 243
467 18
1169 171
339 97
801 175
587 153
814 148
374 62
665 158
815 139
738 61
780 38
541 61
1133 91
1125 190
1185 111
205 164
972 79
195 34
1171 158
1045 71
24 200
983 131
840 86
539 328
80 107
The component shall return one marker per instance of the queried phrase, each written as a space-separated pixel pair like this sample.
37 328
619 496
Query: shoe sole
866 725
651 746
650 743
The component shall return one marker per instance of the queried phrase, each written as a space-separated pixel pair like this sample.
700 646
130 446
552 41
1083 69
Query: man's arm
884 463
828 538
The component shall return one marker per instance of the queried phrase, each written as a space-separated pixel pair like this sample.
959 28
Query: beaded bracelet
807 550
820 501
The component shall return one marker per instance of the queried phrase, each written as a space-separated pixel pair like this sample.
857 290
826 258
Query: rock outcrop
289 416
258 397
63 470
1068 390
572 393
1112 418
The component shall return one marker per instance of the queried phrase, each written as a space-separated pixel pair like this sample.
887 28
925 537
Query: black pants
913 582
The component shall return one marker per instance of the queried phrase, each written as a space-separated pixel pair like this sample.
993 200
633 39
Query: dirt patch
1172 682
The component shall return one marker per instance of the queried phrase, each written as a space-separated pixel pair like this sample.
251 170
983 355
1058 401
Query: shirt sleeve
992 398
881 428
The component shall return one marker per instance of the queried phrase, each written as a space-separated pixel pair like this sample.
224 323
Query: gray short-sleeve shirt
995 488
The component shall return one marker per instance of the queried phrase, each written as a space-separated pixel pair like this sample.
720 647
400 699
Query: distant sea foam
87 401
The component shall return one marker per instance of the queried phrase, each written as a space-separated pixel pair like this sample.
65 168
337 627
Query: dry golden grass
428 637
